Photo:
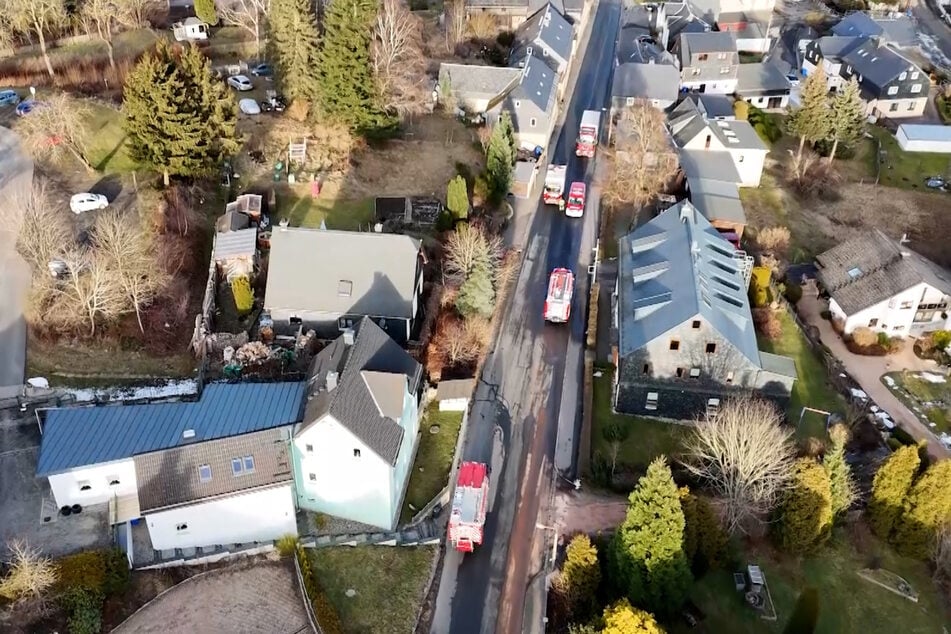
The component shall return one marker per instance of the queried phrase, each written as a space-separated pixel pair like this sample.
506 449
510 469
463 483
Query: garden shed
234 252
914 137
453 396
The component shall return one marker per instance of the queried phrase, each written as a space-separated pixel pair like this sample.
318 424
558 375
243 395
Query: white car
249 106
81 203
240 83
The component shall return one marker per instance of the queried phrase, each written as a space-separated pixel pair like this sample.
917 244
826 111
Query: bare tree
643 160
91 292
482 26
454 343
941 556
139 13
468 245
130 252
30 574
245 14
35 17
41 227
60 124
398 61
745 455
106 16
455 23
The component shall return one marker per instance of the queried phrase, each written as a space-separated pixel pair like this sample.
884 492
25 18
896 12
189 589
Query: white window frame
892 90
915 89
903 76
201 478
694 373
725 70
629 101
651 404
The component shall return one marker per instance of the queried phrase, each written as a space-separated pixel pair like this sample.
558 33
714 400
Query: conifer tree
889 488
457 198
705 541
812 121
805 520
840 474
847 112
500 158
476 295
926 508
348 90
581 575
179 120
206 12
648 551
621 618
293 40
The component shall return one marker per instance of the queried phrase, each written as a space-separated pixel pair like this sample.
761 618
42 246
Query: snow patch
931 377
166 389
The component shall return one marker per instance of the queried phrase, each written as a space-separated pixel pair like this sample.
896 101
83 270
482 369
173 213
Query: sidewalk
868 371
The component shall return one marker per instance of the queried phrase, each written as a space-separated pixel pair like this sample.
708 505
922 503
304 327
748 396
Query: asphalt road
532 374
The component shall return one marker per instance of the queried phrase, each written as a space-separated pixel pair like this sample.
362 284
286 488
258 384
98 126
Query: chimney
348 337
331 380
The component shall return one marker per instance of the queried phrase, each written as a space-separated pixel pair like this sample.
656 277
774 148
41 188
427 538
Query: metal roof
79 436
235 244
646 81
754 79
717 200
926 132
467 80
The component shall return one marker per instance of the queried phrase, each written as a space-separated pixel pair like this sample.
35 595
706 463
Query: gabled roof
170 478
547 28
486 82
646 81
834 48
755 79
877 64
673 268
80 436
537 84
342 272
709 165
709 42
871 268
899 30
713 106
717 200
366 378
855 24
686 122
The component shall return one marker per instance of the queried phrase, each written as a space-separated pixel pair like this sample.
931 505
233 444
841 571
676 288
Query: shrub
287 545
243 297
117 572
759 286
805 520
903 437
864 337
889 487
773 240
320 521
84 607
941 339
28 574
926 509
327 616
741 109
85 570
767 323
793 292
893 443
444 221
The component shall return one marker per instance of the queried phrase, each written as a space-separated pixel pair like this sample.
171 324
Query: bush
117 572
774 240
327 617
941 339
903 437
741 109
82 571
767 323
893 443
759 286
84 607
27 574
243 297
287 545
793 292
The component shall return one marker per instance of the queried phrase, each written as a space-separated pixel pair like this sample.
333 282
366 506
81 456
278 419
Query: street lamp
554 542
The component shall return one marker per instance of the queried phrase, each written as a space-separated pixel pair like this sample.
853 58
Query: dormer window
848 69
903 76
914 75
916 88
893 90
344 288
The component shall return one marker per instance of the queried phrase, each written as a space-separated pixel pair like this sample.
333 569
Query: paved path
262 597
585 512
868 371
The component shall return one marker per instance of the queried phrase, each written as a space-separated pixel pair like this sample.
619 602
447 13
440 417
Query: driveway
16 178
586 512
868 371
247 597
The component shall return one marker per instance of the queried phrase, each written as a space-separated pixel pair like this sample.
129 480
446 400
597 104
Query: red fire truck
469 502
561 285
588 133
554 184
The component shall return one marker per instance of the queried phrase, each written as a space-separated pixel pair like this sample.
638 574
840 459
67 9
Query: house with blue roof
685 336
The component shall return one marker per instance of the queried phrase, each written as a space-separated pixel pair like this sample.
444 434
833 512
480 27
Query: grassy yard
303 210
811 388
931 399
848 604
107 151
646 438
389 583
433 458
906 170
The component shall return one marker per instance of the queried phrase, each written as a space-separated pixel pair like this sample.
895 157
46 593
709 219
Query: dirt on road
591 513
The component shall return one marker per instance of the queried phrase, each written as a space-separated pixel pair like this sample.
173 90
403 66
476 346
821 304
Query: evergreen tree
812 121
705 541
293 41
806 513
847 113
889 488
621 618
840 474
179 120
476 295
206 12
648 552
805 615
500 158
688 504
581 575
926 508
347 88
457 198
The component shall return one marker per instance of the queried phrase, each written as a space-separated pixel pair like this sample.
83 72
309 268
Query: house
750 30
713 106
692 131
763 85
932 138
531 103
712 11
829 52
475 89
325 281
712 188
708 62
454 395
89 456
879 283
685 331
511 13
899 30
354 449
547 34
237 489
655 83
190 30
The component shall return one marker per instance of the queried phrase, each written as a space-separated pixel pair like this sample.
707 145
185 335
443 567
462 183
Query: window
113 481
309 448
911 105
893 107
356 453
898 328
236 468
532 122
313 477
249 464
706 143
84 485
694 373
518 104
872 322
724 70
721 55
702 57
344 288
651 403
905 305
893 90
903 76
181 527
674 344
924 315
713 407
681 372
696 324
914 75
729 376
204 473
740 158
646 369
711 348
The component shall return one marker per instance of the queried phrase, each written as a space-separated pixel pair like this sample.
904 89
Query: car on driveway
793 79
86 201
240 83
26 107
249 106
9 98
262 70
576 196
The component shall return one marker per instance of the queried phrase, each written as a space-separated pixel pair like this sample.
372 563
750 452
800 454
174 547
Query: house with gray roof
763 85
531 102
353 450
328 280
546 34
882 284
474 89
899 30
655 83
511 13
708 61
685 331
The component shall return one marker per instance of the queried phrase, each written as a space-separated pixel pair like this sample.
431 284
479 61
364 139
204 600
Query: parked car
240 83
86 201
274 103
576 200
262 70
9 98
249 106
793 79
26 107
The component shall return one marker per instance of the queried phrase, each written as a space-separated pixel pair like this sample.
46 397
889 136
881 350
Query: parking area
27 508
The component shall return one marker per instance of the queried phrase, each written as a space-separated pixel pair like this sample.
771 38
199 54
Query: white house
763 85
875 282
913 137
355 447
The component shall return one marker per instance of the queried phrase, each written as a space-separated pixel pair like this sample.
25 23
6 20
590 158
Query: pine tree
648 551
457 198
500 158
206 12
347 88
703 529
889 488
805 615
621 618
840 474
179 120
581 575
806 513
812 121
926 508
476 295
848 117
293 41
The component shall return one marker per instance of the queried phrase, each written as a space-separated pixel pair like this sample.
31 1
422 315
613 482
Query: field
848 604
433 458
933 400
388 585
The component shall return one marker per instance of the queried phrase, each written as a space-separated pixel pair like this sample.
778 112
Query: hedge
327 617
243 297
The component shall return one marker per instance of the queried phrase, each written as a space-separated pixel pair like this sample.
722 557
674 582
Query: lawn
433 458
106 150
811 388
933 400
848 604
389 582
907 170
646 438
296 204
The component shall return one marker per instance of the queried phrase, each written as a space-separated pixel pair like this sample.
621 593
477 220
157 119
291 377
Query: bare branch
467 246
245 14
41 228
30 573
398 62
57 126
